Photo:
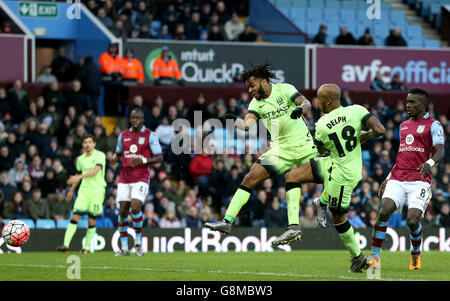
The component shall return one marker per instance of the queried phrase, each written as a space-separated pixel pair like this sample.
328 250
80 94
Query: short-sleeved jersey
131 145
275 113
417 139
339 132
86 164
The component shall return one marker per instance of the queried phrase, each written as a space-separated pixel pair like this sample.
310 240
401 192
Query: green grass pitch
233 266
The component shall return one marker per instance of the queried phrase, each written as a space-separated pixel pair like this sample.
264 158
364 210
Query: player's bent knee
249 181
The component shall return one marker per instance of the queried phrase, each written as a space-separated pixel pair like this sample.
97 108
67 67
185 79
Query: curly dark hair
263 71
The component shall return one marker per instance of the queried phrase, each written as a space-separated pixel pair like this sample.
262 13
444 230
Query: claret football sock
346 233
293 194
378 236
416 240
123 228
138 222
70 231
239 199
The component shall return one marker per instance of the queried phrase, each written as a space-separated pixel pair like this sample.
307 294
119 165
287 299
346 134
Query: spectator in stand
166 70
205 14
90 78
43 138
185 13
345 98
110 9
92 6
138 102
165 133
198 106
59 206
214 20
170 220
155 118
354 219
18 99
15 208
222 12
443 218
204 35
396 84
132 69
107 21
378 84
143 16
77 98
233 28
144 32
180 32
62 67
395 38
201 167
6 158
37 206
248 35
111 63
6 28
4 102
215 34
120 30
164 33
17 173
308 220
46 75
345 37
366 39
191 219
321 36
111 210
5 186
193 27
274 216
54 96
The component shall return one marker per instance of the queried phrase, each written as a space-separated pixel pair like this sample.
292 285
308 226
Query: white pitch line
196 271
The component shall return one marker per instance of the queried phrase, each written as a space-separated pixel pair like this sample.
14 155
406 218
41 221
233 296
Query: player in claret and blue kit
409 183
137 148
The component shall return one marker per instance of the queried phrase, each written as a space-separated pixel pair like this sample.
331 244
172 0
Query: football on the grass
16 233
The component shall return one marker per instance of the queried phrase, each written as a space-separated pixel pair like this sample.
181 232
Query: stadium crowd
41 138
209 20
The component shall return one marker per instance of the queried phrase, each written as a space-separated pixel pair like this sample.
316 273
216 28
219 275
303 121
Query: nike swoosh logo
262 106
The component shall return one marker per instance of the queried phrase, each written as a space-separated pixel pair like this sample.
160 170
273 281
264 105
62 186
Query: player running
137 148
339 132
421 147
276 105
91 172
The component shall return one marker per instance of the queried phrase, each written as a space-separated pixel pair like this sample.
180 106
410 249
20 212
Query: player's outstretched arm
425 168
376 130
77 178
304 106
247 123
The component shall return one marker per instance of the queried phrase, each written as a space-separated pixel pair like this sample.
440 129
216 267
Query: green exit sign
36 9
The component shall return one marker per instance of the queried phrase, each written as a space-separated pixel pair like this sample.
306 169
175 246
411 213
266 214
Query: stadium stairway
414 18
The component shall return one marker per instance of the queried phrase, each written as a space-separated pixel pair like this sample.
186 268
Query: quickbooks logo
148 67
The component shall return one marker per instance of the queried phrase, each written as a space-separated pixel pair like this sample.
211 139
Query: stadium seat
312 28
397 17
380 30
349 5
415 42
379 41
433 44
351 27
330 15
316 4
335 4
62 224
283 3
413 31
30 223
299 3
300 23
346 14
298 13
45 224
83 224
313 14
155 27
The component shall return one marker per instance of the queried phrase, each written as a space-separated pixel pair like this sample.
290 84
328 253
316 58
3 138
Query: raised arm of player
75 180
376 130
304 106
247 123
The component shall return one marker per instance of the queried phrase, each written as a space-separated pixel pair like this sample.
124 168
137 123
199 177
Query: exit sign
36 9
